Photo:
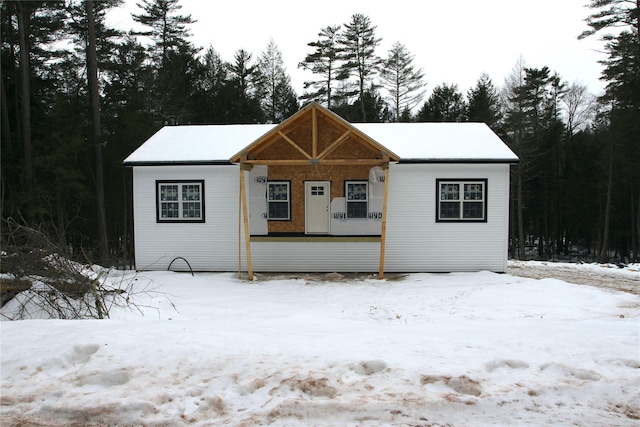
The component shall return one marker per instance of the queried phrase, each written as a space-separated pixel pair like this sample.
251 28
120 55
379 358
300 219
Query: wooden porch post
383 231
245 215
240 227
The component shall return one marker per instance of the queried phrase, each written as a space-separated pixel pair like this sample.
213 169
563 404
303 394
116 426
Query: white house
318 194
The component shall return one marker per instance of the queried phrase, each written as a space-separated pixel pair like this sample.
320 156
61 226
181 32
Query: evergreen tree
359 43
273 86
622 100
95 47
126 87
483 102
613 14
127 123
167 29
174 63
96 134
622 95
210 88
376 109
445 104
324 62
30 30
402 80
176 85
240 91
513 133
535 132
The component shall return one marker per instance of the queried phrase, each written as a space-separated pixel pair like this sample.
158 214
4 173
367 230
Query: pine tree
240 91
622 94
95 45
359 44
483 102
534 131
613 14
168 30
376 109
622 99
30 30
278 99
127 122
402 80
210 87
174 60
96 134
445 104
324 62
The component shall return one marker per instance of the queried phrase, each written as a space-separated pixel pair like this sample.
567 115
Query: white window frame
189 210
352 197
270 199
463 198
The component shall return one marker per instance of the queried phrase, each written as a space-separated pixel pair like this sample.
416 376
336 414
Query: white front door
317 198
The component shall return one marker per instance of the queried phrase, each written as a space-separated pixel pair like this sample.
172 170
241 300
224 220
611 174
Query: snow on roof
197 143
422 142
439 141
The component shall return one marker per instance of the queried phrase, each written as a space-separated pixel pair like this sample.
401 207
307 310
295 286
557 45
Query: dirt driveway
604 277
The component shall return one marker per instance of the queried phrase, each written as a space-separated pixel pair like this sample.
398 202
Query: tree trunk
637 244
521 245
24 18
635 222
512 216
602 257
6 129
94 98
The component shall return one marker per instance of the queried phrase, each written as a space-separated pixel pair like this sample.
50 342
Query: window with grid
461 200
180 201
278 201
357 198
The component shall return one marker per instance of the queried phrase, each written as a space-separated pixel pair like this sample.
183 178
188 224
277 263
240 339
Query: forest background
78 96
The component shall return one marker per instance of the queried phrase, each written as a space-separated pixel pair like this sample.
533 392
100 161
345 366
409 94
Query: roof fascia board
450 161
179 163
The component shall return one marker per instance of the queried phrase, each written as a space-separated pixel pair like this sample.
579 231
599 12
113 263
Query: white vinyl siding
207 246
310 256
416 241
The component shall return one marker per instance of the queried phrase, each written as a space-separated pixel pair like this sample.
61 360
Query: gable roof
403 142
314 135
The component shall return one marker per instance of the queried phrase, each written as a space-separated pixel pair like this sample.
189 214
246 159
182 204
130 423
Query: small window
357 199
462 200
278 201
180 201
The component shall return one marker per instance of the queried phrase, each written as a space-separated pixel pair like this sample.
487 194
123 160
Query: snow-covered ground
465 349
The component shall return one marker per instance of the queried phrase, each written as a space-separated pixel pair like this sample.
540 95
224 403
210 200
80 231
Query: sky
452 42
461 349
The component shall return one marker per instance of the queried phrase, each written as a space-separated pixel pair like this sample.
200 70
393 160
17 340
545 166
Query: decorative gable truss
315 136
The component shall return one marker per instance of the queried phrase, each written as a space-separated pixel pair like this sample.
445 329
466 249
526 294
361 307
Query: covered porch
311 183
